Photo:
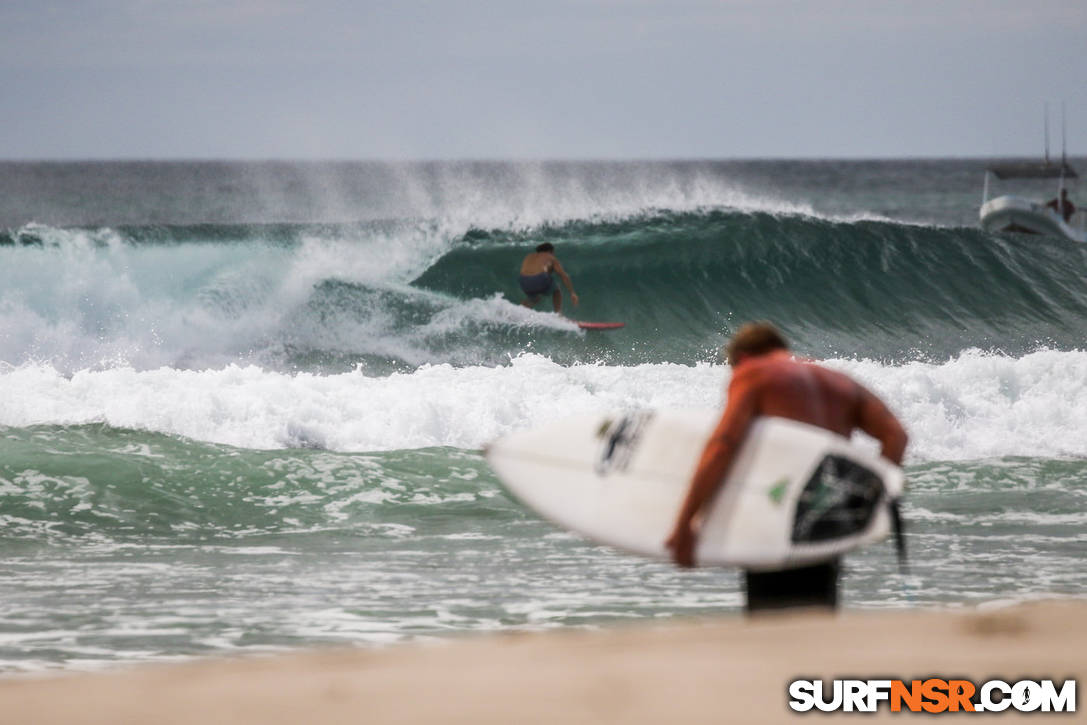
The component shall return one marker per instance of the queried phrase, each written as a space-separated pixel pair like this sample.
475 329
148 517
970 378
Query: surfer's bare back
768 381
536 279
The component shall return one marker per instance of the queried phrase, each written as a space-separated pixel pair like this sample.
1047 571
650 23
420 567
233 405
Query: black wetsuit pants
806 586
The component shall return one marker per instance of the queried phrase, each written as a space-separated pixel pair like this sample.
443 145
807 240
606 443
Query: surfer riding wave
536 277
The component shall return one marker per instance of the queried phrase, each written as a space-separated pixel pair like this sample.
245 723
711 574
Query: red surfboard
601 325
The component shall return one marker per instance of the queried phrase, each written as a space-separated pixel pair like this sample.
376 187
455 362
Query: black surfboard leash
899 528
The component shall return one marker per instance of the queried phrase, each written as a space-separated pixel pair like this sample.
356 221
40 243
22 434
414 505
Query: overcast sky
497 79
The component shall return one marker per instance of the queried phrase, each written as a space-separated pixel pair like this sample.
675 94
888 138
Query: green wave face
393 296
682 282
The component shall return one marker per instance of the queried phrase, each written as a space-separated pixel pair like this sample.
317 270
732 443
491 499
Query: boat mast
1064 155
1046 119
1064 137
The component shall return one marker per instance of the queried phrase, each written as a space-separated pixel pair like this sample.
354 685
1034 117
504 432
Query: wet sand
714 670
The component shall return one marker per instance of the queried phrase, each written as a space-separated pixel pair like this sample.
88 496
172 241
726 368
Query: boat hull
1016 214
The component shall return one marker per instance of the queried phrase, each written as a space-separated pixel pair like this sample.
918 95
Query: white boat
1013 213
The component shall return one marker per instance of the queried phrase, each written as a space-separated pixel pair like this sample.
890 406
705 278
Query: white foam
492 311
433 406
982 405
88 300
975 406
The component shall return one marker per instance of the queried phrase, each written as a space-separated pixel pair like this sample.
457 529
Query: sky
535 79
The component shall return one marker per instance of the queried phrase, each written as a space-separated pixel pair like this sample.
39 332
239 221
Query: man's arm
566 280
880 423
716 459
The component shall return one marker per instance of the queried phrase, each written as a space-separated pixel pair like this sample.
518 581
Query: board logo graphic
619 438
777 491
840 499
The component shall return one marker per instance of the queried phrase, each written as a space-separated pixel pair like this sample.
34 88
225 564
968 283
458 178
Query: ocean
242 405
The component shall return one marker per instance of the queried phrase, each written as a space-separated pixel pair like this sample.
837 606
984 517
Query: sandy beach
714 670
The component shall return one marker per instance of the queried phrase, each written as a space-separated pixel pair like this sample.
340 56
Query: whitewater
977 405
242 404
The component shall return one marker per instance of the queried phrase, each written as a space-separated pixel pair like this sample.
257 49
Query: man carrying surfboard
536 279
768 381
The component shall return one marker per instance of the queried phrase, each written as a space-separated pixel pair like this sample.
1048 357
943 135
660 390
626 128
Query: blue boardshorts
535 285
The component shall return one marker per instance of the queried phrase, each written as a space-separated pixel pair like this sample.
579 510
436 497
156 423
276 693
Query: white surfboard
795 495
